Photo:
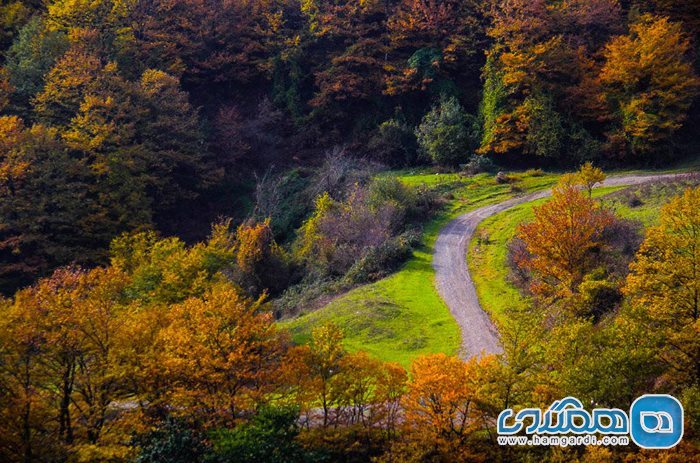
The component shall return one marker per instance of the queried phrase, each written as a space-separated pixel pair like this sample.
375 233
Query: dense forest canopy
168 167
123 115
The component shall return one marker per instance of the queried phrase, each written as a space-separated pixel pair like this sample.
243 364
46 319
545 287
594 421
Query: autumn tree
49 217
209 43
562 241
664 286
75 323
433 44
142 140
33 53
649 82
353 37
221 351
166 270
442 408
590 176
261 262
540 73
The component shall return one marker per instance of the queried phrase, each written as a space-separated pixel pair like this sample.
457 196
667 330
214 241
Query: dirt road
452 277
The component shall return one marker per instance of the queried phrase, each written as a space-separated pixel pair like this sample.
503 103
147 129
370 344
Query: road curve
455 285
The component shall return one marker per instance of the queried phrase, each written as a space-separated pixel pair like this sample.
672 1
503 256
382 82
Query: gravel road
455 285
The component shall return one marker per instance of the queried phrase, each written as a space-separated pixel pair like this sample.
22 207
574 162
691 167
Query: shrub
270 436
598 295
379 261
394 144
447 134
172 442
503 178
338 232
478 164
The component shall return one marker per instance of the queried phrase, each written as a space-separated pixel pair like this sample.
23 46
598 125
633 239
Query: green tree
270 436
446 134
33 53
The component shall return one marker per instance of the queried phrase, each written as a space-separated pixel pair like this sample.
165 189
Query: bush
383 259
391 190
270 436
338 232
478 164
503 178
394 144
173 442
599 295
447 134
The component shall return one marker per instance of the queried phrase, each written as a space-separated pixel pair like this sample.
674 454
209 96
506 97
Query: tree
664 286
33 53
445 135
74 320
539 79
442 408
167 271
269 436
394 144
220 352
325 354
143 141
649 82
14 15
78 72
590 176
261 262
562 241
433 44
48 214
210 43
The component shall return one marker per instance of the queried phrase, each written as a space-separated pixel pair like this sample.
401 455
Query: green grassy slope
402 316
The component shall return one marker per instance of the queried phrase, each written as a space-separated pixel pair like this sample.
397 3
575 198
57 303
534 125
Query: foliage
663 286
649 81
445 135
562 241
270 436
172 442
30 57
393 144
48 212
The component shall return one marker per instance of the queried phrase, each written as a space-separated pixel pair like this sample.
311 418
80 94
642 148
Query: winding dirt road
455 285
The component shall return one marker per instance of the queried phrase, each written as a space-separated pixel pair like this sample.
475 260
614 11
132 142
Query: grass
402 316
488 250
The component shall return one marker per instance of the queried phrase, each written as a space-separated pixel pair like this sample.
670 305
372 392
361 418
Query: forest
217 219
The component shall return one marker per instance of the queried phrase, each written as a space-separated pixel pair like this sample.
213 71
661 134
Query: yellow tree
69 341
648 80
664 285
561 239
221 352
442 408
589 176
